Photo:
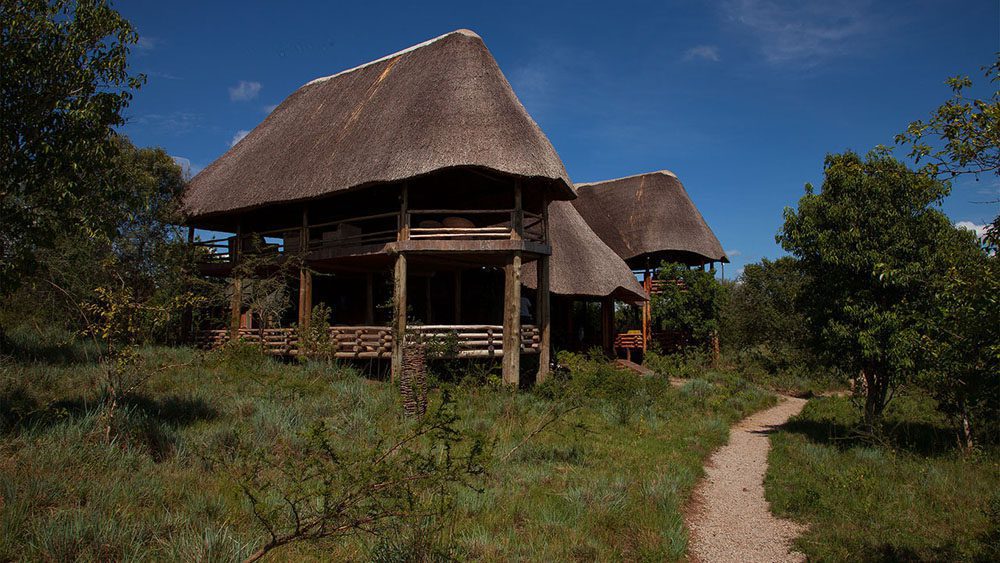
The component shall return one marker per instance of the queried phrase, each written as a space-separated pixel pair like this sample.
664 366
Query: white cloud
238 137
176 123
980 230
146 43
244 91
189 169
733 253
803 33
703 52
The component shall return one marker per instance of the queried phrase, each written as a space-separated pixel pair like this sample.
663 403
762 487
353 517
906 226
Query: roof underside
438 105
648 216
581 264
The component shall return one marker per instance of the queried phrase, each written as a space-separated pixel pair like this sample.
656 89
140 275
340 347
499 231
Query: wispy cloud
238 137
270 108
980 230
176 123
244 91
733 253
147 43
189 169
702 53
803 33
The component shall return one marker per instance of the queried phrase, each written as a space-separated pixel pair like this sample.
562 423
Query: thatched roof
441 104
581 264
648 216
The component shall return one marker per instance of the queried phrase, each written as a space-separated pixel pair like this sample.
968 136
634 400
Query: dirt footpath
728 517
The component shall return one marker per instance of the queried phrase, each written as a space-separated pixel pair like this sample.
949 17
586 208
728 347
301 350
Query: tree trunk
876 391
965 429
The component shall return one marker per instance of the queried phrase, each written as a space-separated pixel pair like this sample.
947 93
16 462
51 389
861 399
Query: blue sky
742 99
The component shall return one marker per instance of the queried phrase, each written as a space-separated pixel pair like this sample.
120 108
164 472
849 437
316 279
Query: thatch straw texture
648 216
581 264
441 104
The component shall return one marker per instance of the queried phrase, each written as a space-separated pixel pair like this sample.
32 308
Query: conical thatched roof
648 216
581 264
440 104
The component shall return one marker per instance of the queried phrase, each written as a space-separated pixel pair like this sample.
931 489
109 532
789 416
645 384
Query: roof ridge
665 172
466 32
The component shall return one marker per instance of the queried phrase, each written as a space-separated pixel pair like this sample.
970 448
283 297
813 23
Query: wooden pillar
512 321
370 299
458 297
543 314
305 276
236 301
647 315
398 315
517 216
608 324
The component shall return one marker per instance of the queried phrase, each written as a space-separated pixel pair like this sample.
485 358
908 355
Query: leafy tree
866 242
689 302
962 338
65 84
762 313
962 136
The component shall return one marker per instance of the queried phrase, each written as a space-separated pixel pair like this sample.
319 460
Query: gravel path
728 517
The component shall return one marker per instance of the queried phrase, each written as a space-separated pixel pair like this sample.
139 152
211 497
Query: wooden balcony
375 342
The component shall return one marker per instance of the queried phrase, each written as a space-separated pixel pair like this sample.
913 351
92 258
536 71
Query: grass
907 495
607 482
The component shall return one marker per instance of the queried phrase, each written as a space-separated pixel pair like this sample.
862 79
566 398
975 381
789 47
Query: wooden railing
373 342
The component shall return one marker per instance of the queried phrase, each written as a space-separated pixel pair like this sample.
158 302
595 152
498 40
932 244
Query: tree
961 137
762 313
689 303
961 338
65 84
866 243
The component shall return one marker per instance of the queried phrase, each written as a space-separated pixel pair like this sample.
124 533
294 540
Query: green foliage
961 339
65 85
866 243
314 339
691 307
906 496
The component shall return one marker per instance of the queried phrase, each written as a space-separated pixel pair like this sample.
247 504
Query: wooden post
647 285
608 324
458 297
236 301
370 299
512 321
305 276
398 315
543 315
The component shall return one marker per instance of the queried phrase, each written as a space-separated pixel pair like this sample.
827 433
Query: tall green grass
906 494
604 481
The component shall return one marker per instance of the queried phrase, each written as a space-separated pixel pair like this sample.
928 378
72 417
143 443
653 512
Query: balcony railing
374 342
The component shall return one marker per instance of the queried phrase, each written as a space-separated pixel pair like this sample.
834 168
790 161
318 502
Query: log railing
374 342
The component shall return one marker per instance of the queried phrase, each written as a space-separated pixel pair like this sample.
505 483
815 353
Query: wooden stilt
398 315
543 315
647 314
512 321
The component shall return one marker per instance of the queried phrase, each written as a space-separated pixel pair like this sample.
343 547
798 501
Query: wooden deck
375 342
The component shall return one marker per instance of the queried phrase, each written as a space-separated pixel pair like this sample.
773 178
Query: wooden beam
398 315
543 315
512 321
